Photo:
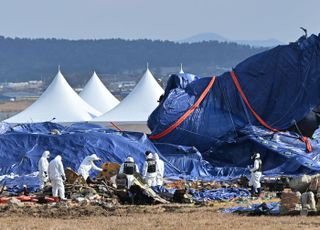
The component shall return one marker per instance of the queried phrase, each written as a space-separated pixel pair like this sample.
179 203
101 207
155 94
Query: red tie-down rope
262 122
186 114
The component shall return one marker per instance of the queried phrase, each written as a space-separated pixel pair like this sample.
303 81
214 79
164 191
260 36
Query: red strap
237 84
186 114
114 125
308 144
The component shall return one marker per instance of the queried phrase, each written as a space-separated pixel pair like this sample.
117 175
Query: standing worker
57 177
43 165
256 173
86 165
128 168
160 169
149 172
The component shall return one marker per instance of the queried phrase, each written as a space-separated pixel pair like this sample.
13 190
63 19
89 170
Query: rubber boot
253 192
259 191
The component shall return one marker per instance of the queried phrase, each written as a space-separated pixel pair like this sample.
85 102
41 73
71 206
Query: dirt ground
143 217
15 106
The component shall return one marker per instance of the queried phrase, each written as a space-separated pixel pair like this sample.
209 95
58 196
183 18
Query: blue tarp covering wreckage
214 142
282 85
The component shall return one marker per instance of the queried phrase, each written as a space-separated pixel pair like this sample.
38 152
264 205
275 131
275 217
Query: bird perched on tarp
305 32
303 37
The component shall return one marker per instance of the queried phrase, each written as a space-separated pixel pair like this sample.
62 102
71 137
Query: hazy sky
161 19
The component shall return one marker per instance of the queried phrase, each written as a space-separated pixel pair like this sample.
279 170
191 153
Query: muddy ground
172 216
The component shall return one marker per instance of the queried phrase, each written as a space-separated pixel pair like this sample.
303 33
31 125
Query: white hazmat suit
256 173
57 177
160 169
43 165
87 164
129 167
149 172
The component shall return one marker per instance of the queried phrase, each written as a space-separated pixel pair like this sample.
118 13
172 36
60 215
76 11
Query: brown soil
142 217
15 106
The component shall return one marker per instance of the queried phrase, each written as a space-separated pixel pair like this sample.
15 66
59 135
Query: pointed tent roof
97 95
138 105
181 69
59 103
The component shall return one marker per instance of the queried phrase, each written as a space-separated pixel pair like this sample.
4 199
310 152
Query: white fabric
88 164
160 169
256 165
58 188
255 180
131 180
308 201
97 95
56 176
59 101
43 166
150 178
138 105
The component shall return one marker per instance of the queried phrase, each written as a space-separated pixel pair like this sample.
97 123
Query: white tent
181 69
97 95
135 109
58 103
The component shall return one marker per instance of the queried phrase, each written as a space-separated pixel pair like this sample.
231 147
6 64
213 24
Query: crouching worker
150 169
256 173
57 177
88 164
128 168
43 165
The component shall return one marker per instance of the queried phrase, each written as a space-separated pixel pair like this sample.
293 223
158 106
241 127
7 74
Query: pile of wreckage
303 197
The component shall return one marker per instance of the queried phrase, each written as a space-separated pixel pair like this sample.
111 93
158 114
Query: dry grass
15 106
158 218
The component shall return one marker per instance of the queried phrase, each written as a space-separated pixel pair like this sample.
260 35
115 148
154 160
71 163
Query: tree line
23 59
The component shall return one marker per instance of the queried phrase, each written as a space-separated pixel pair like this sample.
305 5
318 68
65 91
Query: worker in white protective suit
43 165
256 173
129 167
57 177
149 172
160 169
86 165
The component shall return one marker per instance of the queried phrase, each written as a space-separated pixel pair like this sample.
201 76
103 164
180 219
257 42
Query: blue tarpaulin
282 85
220 194
22 147
215 141
272 208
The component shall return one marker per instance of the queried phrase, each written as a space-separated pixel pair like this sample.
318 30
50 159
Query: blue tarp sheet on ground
221 194
282 86
274 208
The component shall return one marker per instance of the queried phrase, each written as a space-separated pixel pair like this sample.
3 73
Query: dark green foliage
31 59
